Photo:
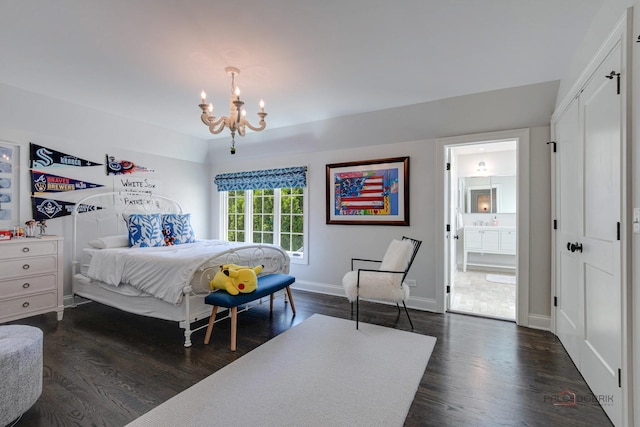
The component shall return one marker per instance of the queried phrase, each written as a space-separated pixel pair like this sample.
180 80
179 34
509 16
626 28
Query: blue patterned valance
295 177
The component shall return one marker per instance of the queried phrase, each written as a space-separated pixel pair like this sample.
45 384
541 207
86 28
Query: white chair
385 283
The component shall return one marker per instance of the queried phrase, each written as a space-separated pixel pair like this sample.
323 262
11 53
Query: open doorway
482 205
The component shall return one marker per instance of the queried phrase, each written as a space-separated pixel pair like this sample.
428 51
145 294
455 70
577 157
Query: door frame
522 137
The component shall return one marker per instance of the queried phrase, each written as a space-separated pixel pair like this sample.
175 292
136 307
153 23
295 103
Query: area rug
501 278
322 372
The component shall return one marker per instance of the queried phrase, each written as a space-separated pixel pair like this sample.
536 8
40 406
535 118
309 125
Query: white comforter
162 272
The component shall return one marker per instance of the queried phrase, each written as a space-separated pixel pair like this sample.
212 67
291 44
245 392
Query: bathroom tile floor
472 293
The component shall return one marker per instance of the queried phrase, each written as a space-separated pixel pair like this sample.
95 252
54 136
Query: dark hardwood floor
104 367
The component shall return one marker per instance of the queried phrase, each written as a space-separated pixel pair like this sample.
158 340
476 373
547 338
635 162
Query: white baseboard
537 321
67 301
417 303
319 288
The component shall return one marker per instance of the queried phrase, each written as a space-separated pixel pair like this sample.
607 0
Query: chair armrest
363 259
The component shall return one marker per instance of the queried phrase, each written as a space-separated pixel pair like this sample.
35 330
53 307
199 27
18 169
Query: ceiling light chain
236 121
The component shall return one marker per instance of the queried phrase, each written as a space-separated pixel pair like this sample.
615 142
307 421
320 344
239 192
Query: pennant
42 157
116 166
50 208
43 182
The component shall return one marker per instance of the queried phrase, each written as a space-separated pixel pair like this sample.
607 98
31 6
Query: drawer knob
25 304
25 249
26 285
25 267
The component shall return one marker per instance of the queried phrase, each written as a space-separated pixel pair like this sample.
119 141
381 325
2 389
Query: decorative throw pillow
397 258
178 226
145 230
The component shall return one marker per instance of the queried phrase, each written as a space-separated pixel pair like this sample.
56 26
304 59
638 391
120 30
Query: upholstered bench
267 285
20 370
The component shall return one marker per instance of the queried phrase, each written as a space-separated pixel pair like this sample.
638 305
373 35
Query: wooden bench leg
212 320
234 327
293 307
271 303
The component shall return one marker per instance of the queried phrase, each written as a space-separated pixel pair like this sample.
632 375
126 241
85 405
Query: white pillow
397 256
120 241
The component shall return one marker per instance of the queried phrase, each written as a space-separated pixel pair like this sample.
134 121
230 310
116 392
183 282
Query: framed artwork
9 181
370 192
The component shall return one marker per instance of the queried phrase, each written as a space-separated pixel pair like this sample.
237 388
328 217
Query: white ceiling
309 59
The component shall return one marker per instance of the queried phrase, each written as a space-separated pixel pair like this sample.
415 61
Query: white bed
131 279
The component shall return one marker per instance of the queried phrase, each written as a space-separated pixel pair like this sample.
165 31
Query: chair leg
357 311
409 317
293 307
212 320
234 327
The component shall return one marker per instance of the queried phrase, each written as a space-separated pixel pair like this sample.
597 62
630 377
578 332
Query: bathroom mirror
487 194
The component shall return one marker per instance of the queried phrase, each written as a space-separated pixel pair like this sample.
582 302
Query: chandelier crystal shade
236 121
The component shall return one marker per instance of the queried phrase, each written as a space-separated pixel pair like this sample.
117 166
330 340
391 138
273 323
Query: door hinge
617 75
618 230
448 289
448 228
448 166
619 378
555 224
554 145
555 301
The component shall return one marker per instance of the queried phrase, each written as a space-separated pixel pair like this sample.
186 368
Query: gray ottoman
20 370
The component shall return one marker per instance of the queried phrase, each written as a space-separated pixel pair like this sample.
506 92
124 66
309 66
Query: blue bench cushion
266 286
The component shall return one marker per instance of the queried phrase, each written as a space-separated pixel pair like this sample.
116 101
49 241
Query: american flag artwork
368 192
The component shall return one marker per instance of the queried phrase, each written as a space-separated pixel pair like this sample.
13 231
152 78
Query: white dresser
31 277
489 240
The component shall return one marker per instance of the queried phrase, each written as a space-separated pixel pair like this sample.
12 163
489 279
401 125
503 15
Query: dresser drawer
25 286
23 306
28 249
27 266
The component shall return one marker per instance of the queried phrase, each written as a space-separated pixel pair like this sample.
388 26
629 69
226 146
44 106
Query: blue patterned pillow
179 227
145 230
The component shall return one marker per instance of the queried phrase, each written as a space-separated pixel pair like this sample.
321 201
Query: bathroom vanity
489 240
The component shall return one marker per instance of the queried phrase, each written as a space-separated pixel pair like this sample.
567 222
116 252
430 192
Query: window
263 216
275 216
266 206
235 216
292 219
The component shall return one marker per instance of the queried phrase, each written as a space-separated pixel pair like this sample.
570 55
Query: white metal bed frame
107 219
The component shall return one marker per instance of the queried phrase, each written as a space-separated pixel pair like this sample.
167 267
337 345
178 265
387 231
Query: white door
589 207
569 313
600 260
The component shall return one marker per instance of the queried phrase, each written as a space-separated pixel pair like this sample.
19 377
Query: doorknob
573 247
456 237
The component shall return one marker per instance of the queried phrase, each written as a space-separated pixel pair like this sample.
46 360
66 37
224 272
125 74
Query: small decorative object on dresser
42 225
31 277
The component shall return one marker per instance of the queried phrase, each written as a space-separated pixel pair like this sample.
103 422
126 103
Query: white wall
371 136
603 23
635 238
498 163
177 159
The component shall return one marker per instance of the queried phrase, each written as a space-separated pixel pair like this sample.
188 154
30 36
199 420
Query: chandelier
236 120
